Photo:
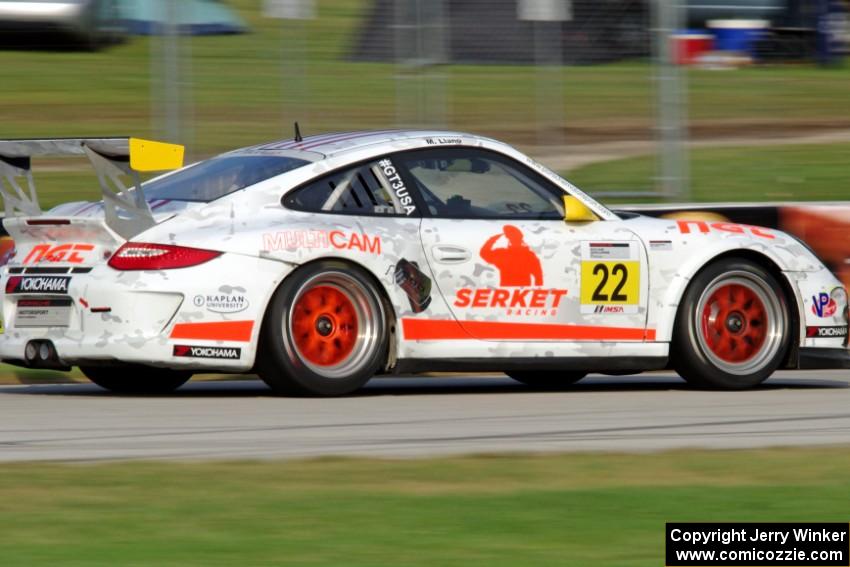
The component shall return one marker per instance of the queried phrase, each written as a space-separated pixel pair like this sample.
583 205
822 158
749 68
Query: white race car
320 262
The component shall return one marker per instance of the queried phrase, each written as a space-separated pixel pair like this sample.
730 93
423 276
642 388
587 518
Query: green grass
556 510
16 375
772 173
239 97
807 172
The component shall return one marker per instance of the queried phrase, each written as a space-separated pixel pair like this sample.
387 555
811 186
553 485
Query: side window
468 183
373 189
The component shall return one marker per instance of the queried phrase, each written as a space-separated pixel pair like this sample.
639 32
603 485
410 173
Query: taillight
145 256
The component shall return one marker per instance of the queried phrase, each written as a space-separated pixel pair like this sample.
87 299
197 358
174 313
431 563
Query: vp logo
823 305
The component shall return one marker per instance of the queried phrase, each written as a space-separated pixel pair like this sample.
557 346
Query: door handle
448 254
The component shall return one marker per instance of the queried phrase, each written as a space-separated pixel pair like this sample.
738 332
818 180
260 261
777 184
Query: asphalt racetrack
410 417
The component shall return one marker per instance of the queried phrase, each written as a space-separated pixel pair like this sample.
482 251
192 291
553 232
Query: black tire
311 344
136 379
547 379
732 329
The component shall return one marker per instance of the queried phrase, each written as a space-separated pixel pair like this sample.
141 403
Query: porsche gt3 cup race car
320 262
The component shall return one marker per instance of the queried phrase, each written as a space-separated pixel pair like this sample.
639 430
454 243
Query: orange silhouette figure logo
518 265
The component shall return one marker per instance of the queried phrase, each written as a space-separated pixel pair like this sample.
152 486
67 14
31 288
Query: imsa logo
228 353
609 309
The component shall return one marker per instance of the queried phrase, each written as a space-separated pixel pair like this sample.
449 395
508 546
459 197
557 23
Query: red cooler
688 46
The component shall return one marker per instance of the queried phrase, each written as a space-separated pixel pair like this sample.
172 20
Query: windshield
211 179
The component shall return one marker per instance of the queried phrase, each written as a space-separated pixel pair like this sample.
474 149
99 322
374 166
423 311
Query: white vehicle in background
320 262
92 22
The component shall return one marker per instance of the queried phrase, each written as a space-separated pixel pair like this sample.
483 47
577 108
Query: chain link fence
589 87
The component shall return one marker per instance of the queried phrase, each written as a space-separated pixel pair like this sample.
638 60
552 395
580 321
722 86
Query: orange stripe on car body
449 329
214 331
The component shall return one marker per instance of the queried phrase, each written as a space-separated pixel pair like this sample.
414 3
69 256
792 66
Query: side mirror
576 211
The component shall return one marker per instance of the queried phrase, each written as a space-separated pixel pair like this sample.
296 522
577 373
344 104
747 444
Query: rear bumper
154 318
823 358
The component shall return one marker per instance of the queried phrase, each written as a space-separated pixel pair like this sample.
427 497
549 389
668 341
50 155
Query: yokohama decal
214 331
449 329
229 353
37 284
840 331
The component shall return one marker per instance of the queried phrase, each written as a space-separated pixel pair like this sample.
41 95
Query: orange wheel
324 325
325 332
734 323
733 328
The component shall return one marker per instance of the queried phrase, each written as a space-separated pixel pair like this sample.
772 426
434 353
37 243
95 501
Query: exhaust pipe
42 354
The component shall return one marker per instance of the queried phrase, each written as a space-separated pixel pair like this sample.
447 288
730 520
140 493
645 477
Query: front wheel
324 333
732 330
136 379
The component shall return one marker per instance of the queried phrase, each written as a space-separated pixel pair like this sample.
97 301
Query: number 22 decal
618 270
610 277
610 282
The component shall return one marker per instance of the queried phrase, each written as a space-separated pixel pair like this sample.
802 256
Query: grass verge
580 509
244 89
805 172
798 172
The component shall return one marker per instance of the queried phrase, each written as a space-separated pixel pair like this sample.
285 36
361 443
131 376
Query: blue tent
193 17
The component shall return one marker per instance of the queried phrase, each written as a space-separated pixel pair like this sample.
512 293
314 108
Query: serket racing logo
520 274
823 305
37 284
229 353
398 186
338 239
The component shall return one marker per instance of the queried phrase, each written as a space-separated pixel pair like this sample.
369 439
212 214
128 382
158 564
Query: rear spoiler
112 159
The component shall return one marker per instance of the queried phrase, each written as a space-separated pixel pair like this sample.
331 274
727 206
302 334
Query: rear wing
112 159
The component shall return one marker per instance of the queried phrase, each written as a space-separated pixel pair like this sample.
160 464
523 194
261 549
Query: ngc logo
705 227
70 253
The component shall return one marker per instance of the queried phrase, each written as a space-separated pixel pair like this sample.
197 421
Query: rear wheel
136 379
324 333
732 330
547 379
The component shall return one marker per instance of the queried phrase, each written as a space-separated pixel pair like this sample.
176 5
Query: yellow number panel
610 277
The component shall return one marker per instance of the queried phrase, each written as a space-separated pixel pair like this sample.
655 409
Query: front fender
678 250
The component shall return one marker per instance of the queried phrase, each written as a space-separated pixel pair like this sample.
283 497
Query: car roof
314 148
